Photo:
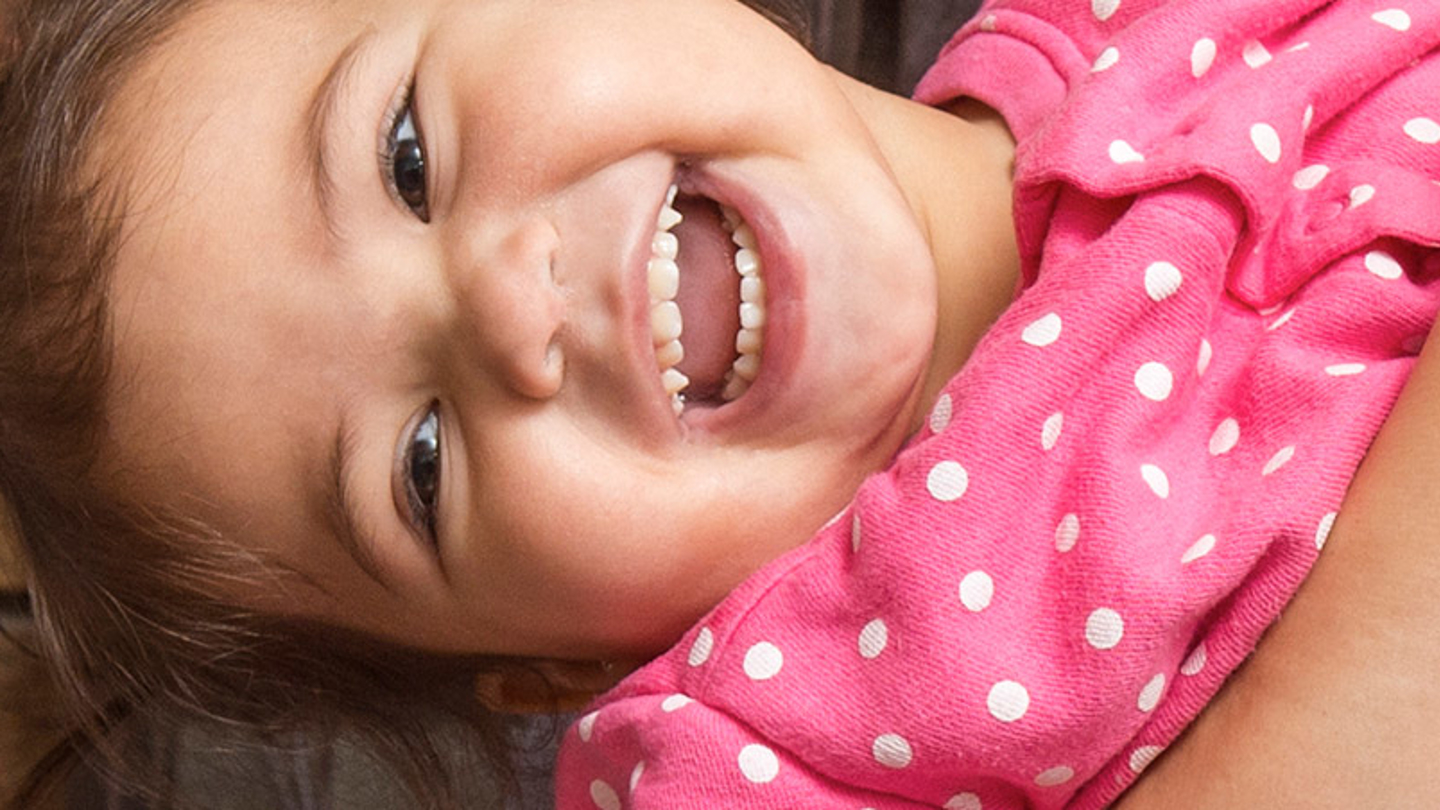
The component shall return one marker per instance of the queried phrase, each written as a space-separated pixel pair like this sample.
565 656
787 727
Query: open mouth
707 302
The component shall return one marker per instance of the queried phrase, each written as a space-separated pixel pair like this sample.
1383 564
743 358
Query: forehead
207 140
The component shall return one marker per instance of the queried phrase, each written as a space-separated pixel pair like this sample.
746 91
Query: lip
784 293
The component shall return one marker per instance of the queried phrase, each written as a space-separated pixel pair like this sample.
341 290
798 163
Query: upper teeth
666 323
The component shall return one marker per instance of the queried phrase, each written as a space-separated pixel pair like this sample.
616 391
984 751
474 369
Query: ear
548 686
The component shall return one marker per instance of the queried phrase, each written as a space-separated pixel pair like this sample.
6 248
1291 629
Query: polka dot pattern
1067 534
1150 695
1225 437
759 765
1055 777
1424 130
1202 56
948 481
1266 141
874 639
1156 479
703 645
1044 332
763 661
1199 549
1008 701
1104 629
1155 382
892 751
1063 541
604 796
964 801
977 589
1142 757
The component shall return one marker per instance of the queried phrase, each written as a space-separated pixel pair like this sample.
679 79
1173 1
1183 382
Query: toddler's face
438 383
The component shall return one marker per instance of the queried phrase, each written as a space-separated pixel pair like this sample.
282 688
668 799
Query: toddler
355 349
1227 219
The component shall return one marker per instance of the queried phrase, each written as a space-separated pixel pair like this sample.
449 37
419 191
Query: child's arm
1339 706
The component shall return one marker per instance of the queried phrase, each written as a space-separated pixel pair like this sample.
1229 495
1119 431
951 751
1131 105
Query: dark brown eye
422 473
405 164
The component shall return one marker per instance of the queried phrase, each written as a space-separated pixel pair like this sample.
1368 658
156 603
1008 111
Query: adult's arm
1340 705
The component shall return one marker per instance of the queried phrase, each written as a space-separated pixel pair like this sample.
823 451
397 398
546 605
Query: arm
1339 706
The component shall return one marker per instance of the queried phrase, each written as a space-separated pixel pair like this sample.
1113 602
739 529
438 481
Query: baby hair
125 596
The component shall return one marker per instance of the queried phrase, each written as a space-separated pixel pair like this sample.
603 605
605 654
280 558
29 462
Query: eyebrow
342 507
320 119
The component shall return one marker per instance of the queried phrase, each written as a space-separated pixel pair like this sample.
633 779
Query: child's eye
422 473
403 161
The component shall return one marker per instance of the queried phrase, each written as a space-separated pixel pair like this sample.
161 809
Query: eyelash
423 507
400 113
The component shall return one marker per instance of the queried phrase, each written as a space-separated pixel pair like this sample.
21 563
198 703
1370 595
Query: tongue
709 297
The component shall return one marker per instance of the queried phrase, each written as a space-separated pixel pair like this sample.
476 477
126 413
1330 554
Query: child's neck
955 168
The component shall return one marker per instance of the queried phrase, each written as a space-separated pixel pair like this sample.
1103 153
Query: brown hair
123 595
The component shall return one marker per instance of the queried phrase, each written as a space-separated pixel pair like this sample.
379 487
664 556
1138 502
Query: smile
704 257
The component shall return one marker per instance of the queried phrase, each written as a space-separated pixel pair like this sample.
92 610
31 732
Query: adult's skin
1338 707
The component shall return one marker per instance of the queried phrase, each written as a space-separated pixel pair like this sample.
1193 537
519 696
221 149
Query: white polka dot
1202 57
604 796
1255 54
1393 18
1202 360
948 481
964 801
586 726
892 751
1008 701
1424 130
1281 321
1122 153
976 591
1150 695
1225 437
1345 369
675 703
1043 332
1310 176
1162 280
759 764
636 774
1067 533
1195 664
855 533
1266 141
1141 757
943 412
1104 9
1280 459
1361 194
1198 549
1322 533
988 24
763 661
873 639
1155 382
1309 117
1383 265
1104 629
1055 776
1296 48
1156 479
1050 433
1106 59
703 646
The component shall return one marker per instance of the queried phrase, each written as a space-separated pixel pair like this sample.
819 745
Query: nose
510 304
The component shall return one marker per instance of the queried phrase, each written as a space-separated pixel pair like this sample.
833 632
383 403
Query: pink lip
784 291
